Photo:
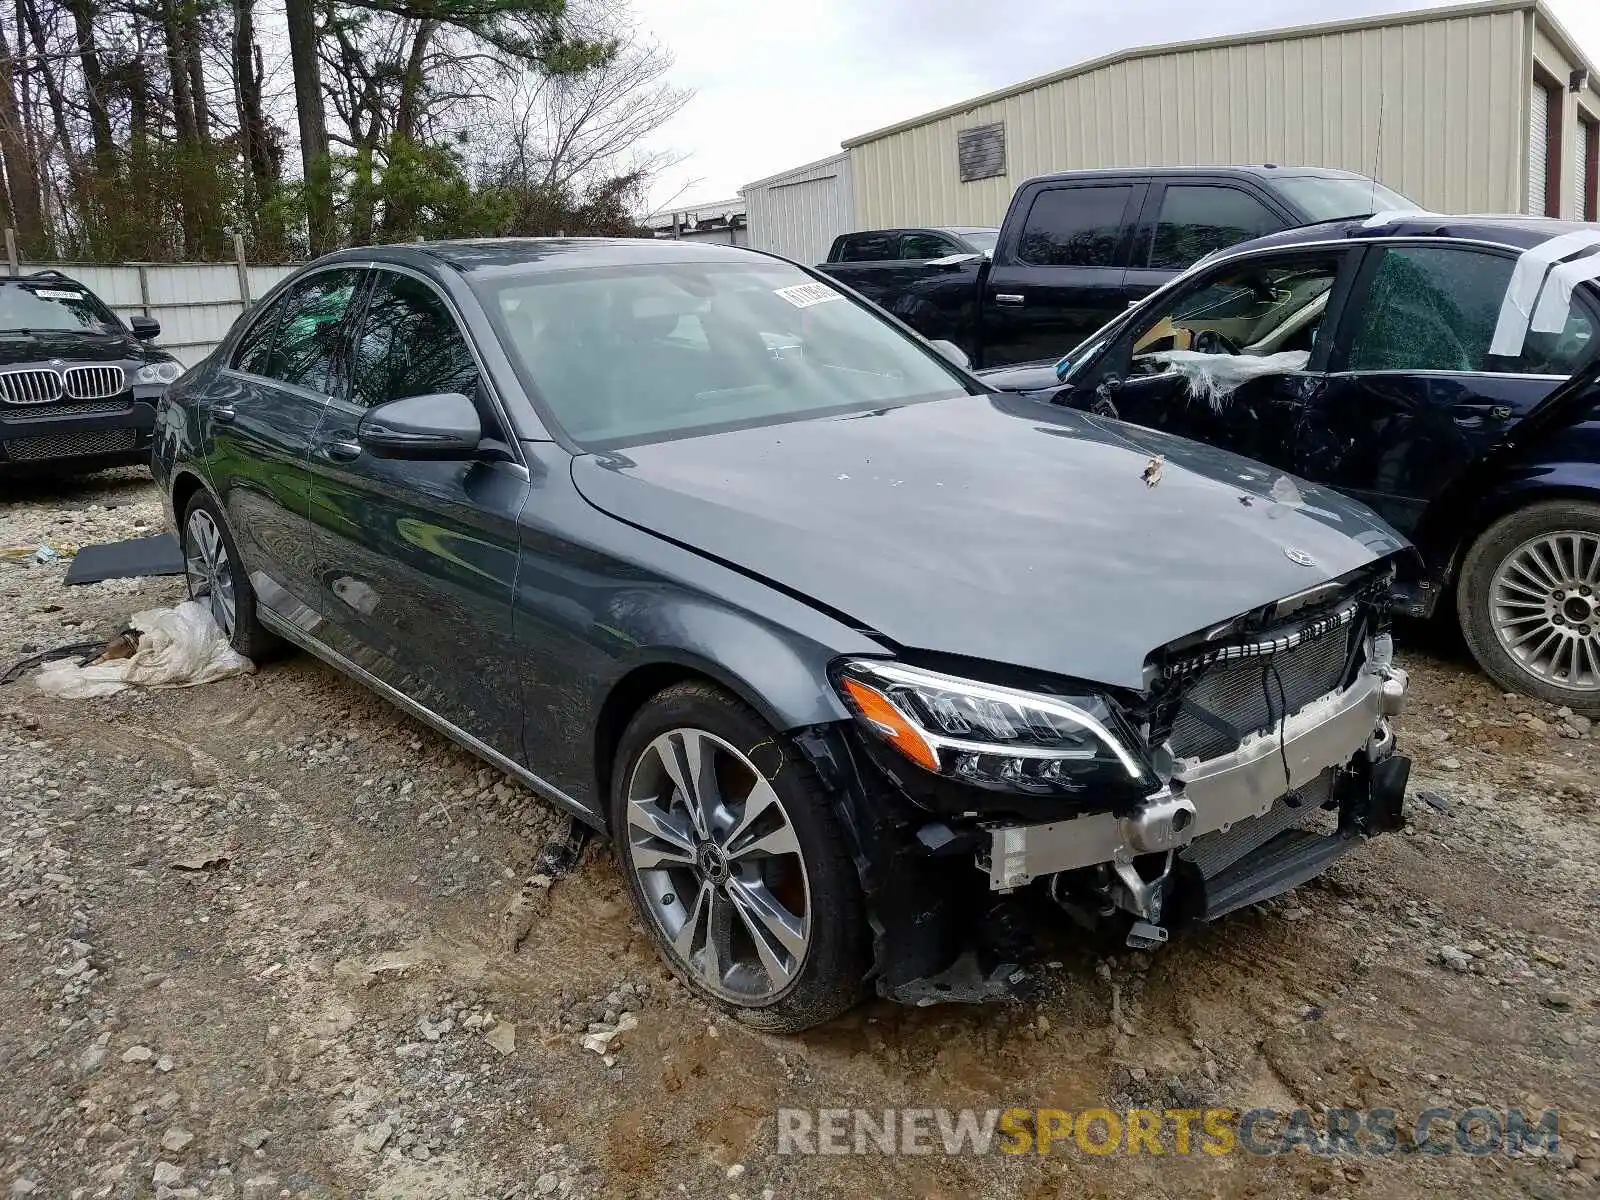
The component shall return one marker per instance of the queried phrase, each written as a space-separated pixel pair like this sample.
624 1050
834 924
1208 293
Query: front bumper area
76 435
1211 796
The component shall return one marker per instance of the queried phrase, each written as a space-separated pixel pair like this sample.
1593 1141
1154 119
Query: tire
247 635
1556 546
808 964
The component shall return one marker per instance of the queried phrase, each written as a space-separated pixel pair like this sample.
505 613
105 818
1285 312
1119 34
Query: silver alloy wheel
719 865
1544 601
208 568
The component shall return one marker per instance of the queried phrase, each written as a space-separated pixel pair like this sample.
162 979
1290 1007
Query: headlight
991 736
159 372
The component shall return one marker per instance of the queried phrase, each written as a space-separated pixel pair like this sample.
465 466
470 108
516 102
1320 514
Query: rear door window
1198 219
926 245
1435 308
1076 227
310 329
869 247
255 346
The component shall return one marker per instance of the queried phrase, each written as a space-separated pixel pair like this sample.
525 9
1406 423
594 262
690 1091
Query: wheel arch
1449 547
186 482
663 668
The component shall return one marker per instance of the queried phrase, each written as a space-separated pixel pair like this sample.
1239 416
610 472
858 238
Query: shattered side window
1255 310
1435 308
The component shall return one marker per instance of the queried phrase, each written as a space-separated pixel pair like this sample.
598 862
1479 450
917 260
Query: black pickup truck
1077 248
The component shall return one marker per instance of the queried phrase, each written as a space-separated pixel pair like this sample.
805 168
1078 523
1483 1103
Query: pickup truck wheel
217 579
735 861
1529 602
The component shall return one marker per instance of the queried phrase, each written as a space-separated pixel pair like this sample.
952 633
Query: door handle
1008 298
339 450
223 414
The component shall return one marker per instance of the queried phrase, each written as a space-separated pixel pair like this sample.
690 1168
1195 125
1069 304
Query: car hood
41 346
996 527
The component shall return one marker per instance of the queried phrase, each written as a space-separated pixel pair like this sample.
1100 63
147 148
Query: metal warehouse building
1486 107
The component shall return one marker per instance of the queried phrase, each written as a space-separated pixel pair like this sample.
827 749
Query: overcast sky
780 84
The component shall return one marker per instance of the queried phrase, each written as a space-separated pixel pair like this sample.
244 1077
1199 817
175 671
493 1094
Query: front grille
1215 852
1230 700
95 383
30 387
71 408
70 445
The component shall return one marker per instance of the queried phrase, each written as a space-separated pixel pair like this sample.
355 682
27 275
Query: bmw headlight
992 736
159 372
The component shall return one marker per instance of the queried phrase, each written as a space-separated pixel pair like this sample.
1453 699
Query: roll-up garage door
1538 151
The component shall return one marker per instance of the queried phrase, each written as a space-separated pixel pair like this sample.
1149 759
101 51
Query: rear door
267 406
868 262
934 286
415 561
1415 395
1059 272
1185 220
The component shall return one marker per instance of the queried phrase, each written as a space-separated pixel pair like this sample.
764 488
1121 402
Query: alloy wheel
209 570
719 865
1545 604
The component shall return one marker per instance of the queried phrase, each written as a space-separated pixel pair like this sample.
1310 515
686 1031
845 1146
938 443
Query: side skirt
299 637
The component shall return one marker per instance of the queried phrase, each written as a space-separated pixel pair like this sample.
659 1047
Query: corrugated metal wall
799 213
1445 97
196 303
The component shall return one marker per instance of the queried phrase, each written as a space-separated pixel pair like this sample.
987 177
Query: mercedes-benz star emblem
1295 555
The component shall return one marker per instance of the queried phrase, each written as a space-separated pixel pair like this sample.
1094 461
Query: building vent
981 151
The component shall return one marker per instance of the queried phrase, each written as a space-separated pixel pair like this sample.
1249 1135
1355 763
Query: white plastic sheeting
178 647
1212 377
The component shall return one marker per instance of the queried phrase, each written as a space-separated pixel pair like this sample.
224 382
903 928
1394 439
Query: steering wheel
1209 341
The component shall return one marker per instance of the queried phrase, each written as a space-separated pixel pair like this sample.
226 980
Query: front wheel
1529 602
736 862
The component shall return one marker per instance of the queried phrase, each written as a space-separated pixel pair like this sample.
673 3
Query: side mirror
952 352
441 426
145 328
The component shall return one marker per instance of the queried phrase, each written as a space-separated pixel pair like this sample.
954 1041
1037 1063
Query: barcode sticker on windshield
51 294
804 295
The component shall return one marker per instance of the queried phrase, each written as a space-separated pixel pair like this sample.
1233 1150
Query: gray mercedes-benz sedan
859 665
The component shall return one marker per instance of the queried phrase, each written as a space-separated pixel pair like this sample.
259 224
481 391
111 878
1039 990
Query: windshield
642 353
58 307
981 240
1329 197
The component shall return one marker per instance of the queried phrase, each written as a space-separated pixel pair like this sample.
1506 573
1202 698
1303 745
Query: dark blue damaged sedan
863 668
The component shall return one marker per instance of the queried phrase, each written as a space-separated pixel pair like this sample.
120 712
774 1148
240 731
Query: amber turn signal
901 733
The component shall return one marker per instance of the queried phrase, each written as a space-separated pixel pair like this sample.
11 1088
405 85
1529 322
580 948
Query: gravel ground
260 939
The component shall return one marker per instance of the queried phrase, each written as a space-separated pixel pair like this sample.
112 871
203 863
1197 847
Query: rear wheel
1529 602
736 862
217 580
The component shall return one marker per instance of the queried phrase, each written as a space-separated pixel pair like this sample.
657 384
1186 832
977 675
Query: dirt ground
253 942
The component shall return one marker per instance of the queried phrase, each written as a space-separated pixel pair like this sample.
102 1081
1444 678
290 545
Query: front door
265 411
1415 395
1062 276
1231 359
416 560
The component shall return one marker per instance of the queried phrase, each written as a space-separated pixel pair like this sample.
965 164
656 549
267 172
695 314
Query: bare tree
569 133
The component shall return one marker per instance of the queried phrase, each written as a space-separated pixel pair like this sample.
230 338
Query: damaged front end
1259 752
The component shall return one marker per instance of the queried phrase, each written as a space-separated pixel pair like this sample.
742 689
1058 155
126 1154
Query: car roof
1266 172
1509 230
488 256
